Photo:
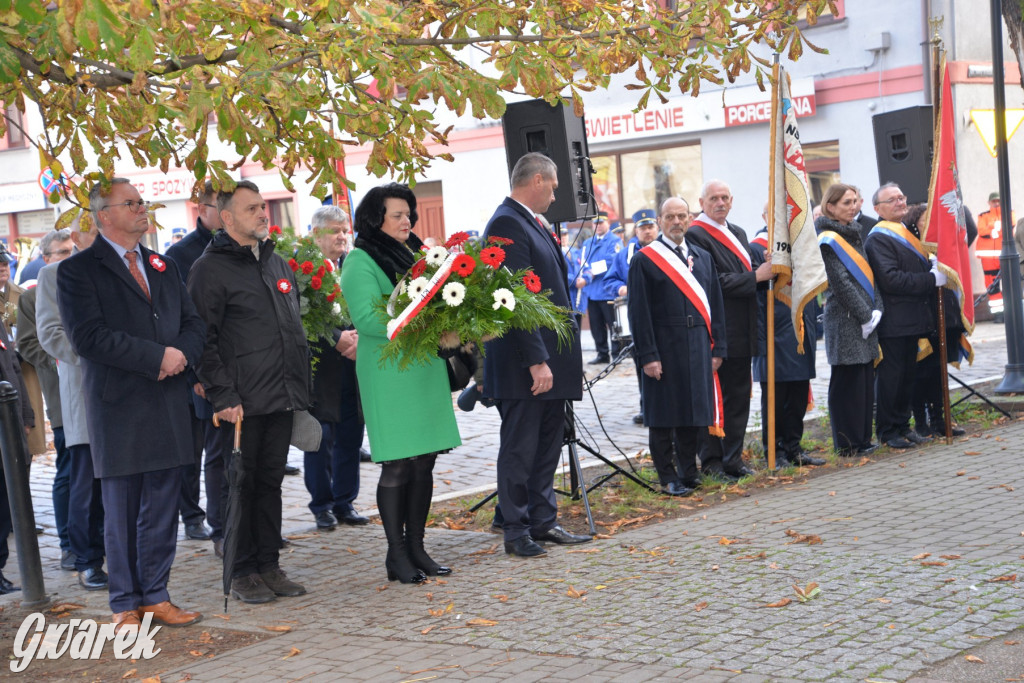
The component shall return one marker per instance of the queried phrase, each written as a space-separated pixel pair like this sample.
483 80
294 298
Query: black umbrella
235 474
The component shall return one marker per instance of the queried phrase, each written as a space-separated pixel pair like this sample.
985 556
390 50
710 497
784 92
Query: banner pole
770 312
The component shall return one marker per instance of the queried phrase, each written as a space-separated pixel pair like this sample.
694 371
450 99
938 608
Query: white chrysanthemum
401 288
454 293
392 324
418 287
504 297
436 255
336 309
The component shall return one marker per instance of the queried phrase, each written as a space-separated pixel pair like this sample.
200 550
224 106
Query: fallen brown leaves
781 603
972 658
760 556
618 524
809 539
933 564
482 622
699 606
573 593
486 551
921 556
282 628
1008 577
291 653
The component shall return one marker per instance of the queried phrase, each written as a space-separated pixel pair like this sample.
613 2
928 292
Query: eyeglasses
135 205
893 200
59 252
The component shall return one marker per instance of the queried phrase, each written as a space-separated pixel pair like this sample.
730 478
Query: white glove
940 277
867 328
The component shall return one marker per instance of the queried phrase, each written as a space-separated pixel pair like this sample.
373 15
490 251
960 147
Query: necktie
133 268
679 251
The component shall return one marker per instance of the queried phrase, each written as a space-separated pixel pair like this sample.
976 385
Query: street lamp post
1009 260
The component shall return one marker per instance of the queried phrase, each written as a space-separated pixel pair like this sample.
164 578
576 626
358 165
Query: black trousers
718 454
532 431
188 499
264 454
790 409
85 510
894 384
217 442
674 451
602 316
850 400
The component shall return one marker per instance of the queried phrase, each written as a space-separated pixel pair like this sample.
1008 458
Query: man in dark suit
216 442
527 373
677 319
133 324
740 281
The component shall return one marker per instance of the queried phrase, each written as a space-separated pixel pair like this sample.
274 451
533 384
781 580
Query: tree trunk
1013 15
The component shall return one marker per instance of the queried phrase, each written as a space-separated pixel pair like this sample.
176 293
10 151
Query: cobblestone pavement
686 598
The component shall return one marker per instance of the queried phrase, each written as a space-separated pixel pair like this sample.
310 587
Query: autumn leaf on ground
436 612
972 452
699 606
760 556
500 598
921 556
972 658
65 607
487 551
1011 642
451 524
781 603
573 593
151 679
130 673
585 550
726 541
950 557
283 628
934 564
427 630
809 539
618 524
961 472
482 622
195 653
1008 577
294 651
804 594
356 552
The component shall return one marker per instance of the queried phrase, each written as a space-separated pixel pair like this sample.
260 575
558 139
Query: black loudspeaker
904 145
556 132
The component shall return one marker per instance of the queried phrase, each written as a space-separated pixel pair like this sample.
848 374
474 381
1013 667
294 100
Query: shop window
14 138
821 160
281 212
650 177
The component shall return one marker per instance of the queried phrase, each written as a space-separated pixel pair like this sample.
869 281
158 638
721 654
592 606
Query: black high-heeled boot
419 491
392 504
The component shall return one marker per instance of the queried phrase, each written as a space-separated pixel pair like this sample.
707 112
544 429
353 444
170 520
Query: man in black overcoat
674 345
133 324
527 374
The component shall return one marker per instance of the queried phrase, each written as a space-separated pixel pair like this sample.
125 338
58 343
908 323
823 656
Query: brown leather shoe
169 615
129 618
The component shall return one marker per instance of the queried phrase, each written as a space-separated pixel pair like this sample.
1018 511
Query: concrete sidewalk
669 600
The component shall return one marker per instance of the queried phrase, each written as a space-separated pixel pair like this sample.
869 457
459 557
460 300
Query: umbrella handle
238 431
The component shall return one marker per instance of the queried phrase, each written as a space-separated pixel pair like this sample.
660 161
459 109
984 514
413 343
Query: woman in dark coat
852 311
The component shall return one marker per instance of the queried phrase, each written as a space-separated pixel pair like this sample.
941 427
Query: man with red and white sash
739 280
678 323
906 277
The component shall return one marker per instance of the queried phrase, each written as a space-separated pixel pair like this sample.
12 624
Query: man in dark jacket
332 473
531 376
906 278
740 281
255 365
184 253
677 319
135 328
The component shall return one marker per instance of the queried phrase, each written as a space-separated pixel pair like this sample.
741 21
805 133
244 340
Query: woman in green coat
408 413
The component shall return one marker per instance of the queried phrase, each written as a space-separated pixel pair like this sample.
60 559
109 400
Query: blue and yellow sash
851 258
901 234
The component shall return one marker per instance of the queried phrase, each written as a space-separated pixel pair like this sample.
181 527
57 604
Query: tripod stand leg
483 502
971 391
575 471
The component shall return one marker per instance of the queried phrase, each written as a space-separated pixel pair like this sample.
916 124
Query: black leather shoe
468 398
197 531
557 534
939 430
743 471
899 443
781 462
364 455
600 360
352 518
67 560
806 459
6 586
867 450
638 419
524 546
956 431
93 579
325 521
914 437
291 470
675 488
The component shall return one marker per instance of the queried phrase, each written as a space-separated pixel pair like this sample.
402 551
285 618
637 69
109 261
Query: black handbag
461 367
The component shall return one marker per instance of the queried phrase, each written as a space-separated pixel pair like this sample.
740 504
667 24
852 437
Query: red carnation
316 282
531 281
330 265
493 256
307 267
293 264
320 271
494 239
331 297
275 229
418 268
464 264
456 239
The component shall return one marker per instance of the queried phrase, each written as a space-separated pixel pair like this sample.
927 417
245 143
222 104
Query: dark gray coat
847 304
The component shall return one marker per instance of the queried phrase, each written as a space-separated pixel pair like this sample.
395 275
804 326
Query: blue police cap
644 216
